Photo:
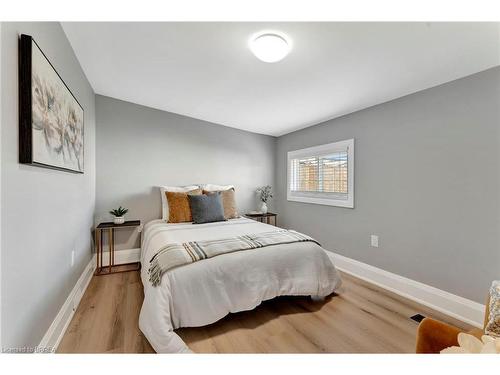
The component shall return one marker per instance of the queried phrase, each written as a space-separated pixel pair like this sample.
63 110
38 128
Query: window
322 174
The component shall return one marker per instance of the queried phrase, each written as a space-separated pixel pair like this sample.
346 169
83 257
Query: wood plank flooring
361 319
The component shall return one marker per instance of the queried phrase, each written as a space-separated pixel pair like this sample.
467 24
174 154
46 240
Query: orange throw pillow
178 206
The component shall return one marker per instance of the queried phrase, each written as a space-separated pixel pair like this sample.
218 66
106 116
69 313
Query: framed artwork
51 120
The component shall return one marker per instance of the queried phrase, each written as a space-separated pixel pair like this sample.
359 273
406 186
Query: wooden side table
264 218
99 235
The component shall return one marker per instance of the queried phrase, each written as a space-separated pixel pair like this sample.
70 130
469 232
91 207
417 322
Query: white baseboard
452 305
56 331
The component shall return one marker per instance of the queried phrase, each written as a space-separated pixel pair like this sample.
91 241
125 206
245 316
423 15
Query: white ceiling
206 70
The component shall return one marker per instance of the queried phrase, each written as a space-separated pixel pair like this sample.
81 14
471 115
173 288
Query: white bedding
203 292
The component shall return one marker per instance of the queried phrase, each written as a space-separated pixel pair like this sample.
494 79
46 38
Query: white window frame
329 199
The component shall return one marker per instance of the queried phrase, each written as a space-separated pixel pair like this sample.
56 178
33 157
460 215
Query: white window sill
347 203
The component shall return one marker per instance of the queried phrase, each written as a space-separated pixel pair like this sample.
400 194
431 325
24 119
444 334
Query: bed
203 292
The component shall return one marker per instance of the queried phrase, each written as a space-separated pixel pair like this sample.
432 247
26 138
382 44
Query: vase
119 220
263 207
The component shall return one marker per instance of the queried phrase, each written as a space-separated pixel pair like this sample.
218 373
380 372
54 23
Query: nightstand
264 218
110 227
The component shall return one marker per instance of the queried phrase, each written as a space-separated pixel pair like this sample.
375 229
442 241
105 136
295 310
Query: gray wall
427 176
45 213
139 148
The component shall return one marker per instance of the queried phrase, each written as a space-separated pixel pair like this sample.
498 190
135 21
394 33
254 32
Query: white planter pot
263 207
119 220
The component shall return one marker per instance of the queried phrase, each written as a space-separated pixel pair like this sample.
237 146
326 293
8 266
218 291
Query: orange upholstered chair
434 336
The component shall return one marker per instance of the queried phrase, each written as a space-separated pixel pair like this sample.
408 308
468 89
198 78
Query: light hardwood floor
361 319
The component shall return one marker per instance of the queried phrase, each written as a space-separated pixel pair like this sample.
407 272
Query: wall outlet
72 258
374 240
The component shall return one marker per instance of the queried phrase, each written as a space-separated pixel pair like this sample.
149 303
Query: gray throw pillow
206 208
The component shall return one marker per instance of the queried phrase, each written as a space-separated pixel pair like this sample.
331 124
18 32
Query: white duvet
203 292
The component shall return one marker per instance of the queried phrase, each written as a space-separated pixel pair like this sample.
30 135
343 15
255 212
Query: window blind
320 174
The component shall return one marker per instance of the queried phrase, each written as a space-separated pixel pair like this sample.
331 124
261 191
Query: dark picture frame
51 120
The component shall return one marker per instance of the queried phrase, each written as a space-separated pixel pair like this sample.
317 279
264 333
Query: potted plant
118 213
265 193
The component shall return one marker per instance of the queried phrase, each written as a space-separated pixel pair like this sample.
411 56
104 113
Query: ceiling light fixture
270 46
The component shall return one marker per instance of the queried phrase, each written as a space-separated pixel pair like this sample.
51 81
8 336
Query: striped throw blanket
178 254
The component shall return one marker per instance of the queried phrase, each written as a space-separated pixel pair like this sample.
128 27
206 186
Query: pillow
493 326
212 187
206 208
228 203
178 206
174 189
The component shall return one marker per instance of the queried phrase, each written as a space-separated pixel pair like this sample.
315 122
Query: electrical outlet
72 258
374 240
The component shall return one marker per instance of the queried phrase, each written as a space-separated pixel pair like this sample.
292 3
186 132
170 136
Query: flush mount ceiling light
270 46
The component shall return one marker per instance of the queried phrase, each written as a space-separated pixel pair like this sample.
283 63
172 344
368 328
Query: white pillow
212 187
172 189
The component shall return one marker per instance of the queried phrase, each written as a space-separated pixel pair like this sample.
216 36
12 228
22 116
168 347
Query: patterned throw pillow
178 206
493 325
228 202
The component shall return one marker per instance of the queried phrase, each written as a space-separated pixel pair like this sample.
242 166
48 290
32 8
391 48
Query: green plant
119 212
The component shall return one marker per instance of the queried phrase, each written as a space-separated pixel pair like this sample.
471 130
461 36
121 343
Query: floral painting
57 138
